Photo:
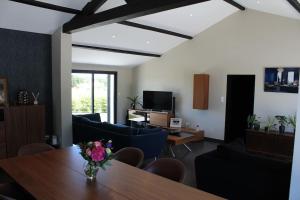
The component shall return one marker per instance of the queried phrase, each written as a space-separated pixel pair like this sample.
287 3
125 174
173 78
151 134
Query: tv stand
154 117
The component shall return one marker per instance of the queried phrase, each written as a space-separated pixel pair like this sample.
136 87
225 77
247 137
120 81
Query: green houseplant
134 101
282 120
270 124
292 121
250 121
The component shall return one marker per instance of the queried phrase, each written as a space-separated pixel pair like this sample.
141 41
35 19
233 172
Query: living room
227 41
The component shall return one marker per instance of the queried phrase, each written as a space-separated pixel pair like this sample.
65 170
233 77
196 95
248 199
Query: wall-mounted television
157 100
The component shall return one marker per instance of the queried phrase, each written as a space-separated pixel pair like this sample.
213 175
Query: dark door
239 104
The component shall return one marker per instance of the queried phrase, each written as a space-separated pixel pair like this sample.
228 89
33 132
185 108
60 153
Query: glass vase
91 171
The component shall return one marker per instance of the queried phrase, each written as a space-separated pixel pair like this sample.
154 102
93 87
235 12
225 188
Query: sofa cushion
144 131
117 128
93 117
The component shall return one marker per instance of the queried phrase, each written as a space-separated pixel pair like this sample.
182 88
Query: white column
61 86
295 180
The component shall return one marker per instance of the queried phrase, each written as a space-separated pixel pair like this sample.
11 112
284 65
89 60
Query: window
95 92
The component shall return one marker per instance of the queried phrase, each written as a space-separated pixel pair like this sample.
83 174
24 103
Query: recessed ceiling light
258 2
113 36
147 42
191 15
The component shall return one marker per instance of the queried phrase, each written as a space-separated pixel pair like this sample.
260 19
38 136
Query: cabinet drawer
2 150
2 133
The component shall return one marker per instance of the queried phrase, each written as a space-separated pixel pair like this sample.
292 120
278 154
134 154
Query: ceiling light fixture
147 42
114 36
258 2
191 15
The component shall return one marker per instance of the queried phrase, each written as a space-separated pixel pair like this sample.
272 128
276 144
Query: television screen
157 100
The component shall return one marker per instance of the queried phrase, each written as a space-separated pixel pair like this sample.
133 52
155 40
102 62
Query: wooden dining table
58 175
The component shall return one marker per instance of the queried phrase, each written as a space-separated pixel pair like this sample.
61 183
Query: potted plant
134 101
270 123
250 121
256 125
282 120
292 121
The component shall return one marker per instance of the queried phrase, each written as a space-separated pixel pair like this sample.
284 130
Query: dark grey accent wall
25 60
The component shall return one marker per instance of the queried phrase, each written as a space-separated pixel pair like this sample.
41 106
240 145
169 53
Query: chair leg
172 152
188 148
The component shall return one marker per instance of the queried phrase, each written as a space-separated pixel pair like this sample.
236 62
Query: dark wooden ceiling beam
91 7
48 6
295 4
151 28
125 12
116 50
235 4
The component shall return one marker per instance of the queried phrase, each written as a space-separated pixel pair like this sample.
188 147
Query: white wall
243 43
124 87
61 87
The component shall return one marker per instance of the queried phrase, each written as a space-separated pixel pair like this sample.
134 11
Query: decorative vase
256 127
91 171
281 129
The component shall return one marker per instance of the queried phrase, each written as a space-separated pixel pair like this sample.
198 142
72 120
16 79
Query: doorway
239 105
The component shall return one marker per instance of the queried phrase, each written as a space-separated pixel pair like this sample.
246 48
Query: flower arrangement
97 154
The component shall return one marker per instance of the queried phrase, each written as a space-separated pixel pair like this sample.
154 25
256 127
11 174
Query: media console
153 117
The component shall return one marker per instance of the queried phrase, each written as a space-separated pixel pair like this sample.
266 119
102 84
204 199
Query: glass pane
112 98
101 96
81 93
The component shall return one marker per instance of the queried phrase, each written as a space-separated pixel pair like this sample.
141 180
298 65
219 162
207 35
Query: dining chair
131 156
167 167
34 148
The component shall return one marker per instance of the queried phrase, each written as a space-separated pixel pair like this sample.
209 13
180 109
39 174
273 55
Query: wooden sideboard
270 143
20 125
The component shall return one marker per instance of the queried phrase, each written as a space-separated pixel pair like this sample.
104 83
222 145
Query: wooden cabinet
273 144
201 91
160 119
24 125
2 134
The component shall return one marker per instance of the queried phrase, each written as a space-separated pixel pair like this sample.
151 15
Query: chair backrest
34 148
131 156
167 167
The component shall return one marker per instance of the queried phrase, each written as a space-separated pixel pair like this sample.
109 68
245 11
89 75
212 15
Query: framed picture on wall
282 79
3 92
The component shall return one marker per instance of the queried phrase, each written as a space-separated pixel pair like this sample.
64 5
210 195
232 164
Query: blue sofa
90 128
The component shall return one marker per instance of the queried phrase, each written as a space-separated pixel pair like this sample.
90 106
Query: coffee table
185 136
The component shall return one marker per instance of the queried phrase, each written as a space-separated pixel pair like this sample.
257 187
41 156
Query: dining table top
58 175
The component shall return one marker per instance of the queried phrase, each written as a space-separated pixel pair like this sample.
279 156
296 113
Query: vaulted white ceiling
189 20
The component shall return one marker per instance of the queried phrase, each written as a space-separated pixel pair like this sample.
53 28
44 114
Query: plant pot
250 126
256 127
281 129
91 171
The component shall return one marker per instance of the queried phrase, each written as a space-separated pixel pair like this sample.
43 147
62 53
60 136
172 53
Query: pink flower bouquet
97 154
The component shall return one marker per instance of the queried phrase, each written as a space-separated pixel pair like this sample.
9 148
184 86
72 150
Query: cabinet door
201 91
35 119
15 129
2 141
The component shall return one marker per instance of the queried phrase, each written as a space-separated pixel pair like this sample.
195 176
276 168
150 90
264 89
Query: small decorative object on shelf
23 97
270 124
252 121
282 120
97 154
35 97
292 121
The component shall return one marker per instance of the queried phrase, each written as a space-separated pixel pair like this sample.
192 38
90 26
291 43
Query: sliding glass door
95 92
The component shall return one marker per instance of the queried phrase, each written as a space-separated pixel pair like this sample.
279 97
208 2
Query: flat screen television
157 100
